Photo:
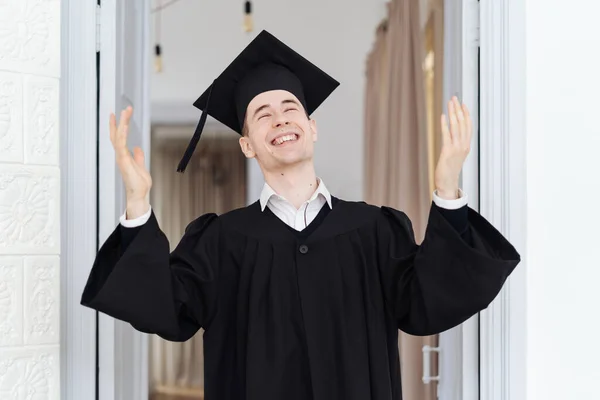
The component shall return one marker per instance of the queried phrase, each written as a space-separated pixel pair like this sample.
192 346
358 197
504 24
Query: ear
246 147
313 128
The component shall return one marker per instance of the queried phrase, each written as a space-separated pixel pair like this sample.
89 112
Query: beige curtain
397 154
214 181
434 74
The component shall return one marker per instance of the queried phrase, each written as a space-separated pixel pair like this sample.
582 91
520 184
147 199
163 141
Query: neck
296 183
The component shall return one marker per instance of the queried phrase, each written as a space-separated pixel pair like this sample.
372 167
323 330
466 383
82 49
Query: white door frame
469 17
78 196
123 366
79 202
460 345
503 191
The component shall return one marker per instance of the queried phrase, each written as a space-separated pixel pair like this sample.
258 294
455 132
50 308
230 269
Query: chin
293 160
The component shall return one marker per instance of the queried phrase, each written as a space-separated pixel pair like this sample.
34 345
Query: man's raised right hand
136 177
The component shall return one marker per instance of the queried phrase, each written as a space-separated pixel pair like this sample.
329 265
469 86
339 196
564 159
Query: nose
280 120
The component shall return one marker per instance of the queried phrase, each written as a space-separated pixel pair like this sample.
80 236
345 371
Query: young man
301 294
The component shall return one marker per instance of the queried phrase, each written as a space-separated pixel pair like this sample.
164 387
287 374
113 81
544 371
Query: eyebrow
288 101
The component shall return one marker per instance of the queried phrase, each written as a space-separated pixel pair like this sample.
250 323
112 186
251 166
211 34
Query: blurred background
378 132
65 65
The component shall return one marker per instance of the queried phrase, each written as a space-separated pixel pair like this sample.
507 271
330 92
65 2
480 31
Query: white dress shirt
302 217
296 218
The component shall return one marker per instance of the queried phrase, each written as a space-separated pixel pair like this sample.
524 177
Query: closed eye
291 109
264 115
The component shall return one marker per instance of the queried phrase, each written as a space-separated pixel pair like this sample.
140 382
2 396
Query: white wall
29 198
563 188
201 38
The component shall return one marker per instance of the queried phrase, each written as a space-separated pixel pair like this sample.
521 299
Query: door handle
427 378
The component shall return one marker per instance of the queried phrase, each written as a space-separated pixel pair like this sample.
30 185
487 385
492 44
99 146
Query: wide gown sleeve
448 278
136 279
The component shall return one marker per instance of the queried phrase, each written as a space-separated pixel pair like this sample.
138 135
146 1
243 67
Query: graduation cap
265 64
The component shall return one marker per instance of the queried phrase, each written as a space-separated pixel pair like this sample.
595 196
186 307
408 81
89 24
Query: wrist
448 194
136 209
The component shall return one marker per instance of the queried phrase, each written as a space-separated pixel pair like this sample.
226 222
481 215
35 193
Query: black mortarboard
265 64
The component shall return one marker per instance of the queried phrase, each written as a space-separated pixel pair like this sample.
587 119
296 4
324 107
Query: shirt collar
268 192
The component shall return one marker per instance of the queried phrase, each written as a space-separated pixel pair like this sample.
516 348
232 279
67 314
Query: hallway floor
178 395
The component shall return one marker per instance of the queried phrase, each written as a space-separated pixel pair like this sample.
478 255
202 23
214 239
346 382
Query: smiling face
278 132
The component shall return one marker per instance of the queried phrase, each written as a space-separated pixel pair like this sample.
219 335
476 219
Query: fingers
446 140
113 128
460 122
120 140
460 116
454 127
466 112
469 123
138 156
457 127
123 127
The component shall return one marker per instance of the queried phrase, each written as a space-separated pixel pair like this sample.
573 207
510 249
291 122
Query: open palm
136 177
456 144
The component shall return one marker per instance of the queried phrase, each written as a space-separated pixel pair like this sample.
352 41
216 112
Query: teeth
285 138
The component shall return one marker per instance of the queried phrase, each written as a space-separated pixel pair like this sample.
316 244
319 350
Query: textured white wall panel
42 300
30 373
29 210
29 200
40 120
30 36
11 301
11 117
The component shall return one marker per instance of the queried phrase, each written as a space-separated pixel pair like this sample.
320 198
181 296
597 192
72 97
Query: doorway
214 181
125 85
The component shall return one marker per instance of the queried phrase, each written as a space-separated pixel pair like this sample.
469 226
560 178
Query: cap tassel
158 58
248 22
197 134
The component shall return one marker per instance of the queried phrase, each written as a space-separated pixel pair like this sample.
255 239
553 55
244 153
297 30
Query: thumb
138 156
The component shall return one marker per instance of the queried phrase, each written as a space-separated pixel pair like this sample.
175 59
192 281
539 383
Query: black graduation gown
309 315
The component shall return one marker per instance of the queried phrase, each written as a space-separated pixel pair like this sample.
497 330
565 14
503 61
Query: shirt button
303 249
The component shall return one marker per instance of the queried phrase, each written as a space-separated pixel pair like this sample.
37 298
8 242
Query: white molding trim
460 345
107 219
469 71
175 113
123 363
470 179
172 113
503 191
78 196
